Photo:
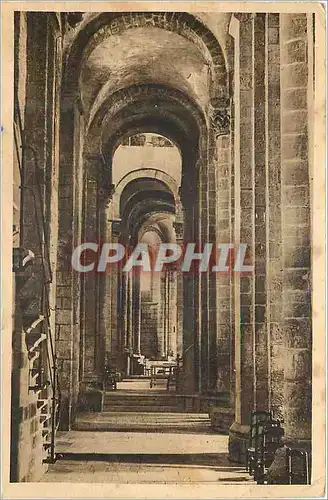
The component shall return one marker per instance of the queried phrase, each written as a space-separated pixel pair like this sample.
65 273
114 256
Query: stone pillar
194 196
115 345
219 232
106 285
261 208
202 280
296 49
242 29
172 298
69 235
191 293
129 330
136 312
122 318
224 320
90 322
273 286
157 299
179 293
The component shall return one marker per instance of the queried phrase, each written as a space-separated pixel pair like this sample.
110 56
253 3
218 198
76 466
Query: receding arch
158 175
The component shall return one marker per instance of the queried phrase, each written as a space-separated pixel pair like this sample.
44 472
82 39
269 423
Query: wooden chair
258 420
301 474
270 440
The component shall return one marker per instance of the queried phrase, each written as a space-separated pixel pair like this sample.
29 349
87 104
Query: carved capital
219 113
178 226
116 227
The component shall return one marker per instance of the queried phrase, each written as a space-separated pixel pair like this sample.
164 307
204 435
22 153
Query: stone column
122 318
191 293
273 285
157 298
223 291
90 279
242 29
256 153
172 301
136 303
115 346
106 284
129 328
202 278
261 208
179 293
296 49
69 233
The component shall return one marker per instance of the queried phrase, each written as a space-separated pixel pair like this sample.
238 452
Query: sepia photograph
163 249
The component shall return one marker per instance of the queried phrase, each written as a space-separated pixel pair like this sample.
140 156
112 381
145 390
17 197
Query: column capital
116 227
219 114
178 227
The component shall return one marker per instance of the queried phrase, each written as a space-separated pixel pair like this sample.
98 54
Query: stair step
136 409
42 404
45 417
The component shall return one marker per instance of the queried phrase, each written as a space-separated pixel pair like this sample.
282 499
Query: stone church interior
162 127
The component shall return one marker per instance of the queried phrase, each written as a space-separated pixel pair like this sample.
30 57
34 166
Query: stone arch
185 24
121 99
142 173
158 108
159 225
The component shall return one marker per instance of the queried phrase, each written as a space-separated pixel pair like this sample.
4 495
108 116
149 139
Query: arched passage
97 115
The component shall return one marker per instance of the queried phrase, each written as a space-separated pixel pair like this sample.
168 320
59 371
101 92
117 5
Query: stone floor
143 447
152 457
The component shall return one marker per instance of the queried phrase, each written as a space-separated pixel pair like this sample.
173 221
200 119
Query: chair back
297 465
258 420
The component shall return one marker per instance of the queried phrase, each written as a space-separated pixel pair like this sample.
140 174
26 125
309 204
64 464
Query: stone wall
36 120
149 329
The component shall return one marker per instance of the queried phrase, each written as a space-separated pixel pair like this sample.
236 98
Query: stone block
63 349
297 257
63 317
294 146
296 215
246 198
294 76
298 422
298 394
260 313
293 26
295 309
296 196
297 364
245 284
295 122
294 51
238 442
221 419
294 99
298 332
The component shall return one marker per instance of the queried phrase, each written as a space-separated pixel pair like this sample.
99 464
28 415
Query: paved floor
129 457
142 447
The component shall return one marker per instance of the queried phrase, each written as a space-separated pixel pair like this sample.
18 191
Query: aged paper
163 249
